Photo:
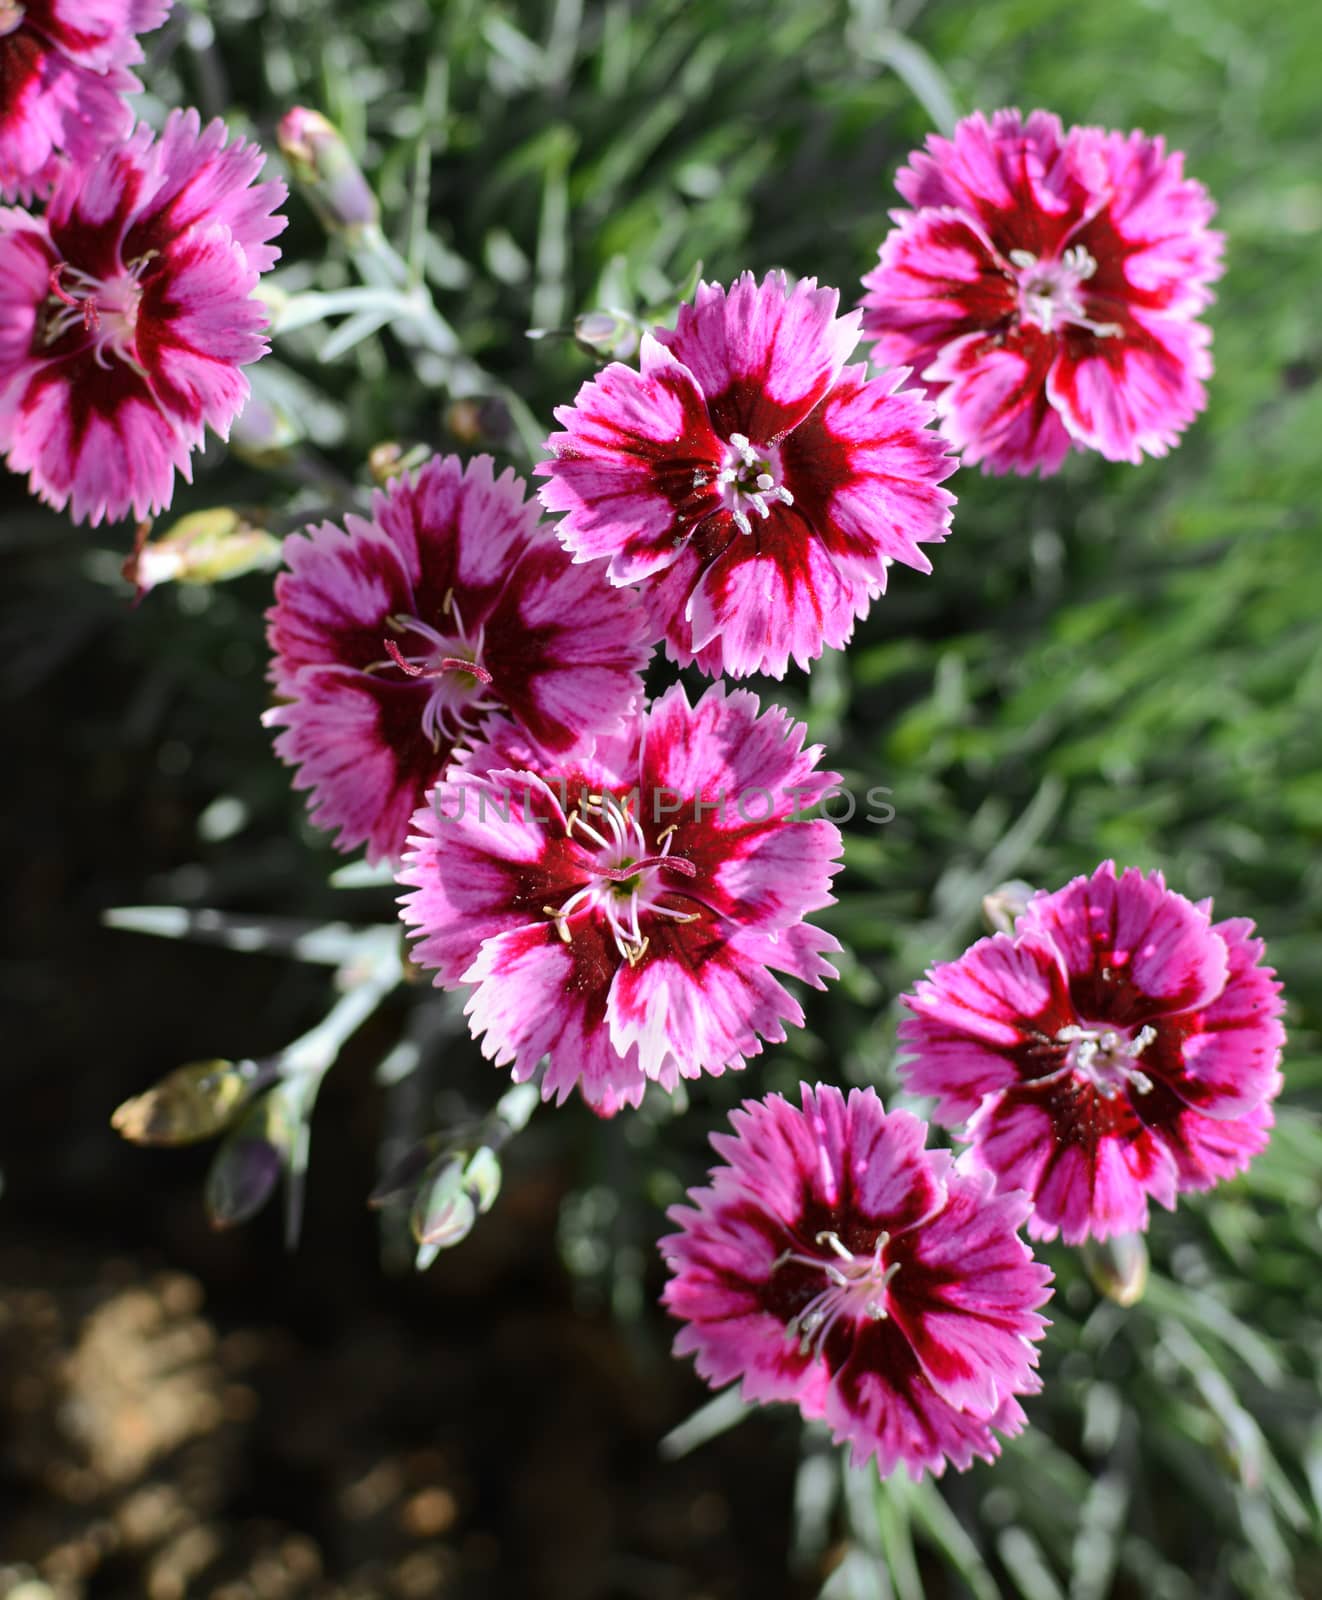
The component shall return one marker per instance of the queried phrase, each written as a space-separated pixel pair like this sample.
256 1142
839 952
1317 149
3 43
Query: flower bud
1118 1267
1003 907
250 1162
263 433
205 547
191 1103
607 333
448 1204
331 179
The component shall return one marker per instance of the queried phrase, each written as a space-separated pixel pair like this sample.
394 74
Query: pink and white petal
536 996
763 354
484 856
774 595
774 1157
1151 241
92 208
95 440
51 104
994 404
633 468
1232 1050
194 177
731 778
197 323
1220 1060
26 259
1011 174
966 1293
333 601
1207 1150
864 470
882 1405
99 34
1134 949
1094 1166
984 1022
358 744
937 279
564 650
457 528
1133 393
887 1175
1012 1136
697 1002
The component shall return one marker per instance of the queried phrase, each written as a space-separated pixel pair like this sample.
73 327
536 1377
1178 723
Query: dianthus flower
838 1264
1046 288
623 910
394 637
63 74
1117 1046
126 313
753 485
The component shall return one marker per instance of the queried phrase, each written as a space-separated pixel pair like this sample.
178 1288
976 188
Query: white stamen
1104 1058
855 1288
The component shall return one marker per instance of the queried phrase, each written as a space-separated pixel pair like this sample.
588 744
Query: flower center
625 881
452 663
1106 1057
856 1287
11 16
106 308
1050 292
750 478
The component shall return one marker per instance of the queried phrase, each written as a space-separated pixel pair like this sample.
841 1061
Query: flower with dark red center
755 487
1117 1046
394 638
837 1264
63 75
127 313
623 910
1046 288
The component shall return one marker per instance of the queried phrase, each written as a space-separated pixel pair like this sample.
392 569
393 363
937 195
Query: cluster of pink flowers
127 308
621 886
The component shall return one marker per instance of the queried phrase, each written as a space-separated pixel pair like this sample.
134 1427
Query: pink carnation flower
126 313
623 911
838 1264
1119 1045
756 487
394 639
63 74
1046 287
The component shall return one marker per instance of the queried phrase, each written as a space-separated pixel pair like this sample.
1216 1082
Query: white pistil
856 1287
625 884
1105 1058
747 480
453 664
1049 290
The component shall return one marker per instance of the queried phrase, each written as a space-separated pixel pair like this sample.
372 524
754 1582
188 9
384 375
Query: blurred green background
1120 661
